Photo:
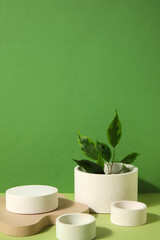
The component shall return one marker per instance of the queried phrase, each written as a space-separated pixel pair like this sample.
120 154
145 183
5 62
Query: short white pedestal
76 226
128 213
31 199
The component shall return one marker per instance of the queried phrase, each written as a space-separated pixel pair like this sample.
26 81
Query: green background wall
65 65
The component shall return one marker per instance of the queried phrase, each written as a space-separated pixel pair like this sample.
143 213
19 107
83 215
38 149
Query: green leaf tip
130 158
114 131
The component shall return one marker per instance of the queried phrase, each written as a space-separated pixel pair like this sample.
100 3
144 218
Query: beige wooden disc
25 225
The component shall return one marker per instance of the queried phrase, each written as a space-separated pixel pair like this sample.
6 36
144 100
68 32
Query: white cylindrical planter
128 213
99 191
76 226
31 199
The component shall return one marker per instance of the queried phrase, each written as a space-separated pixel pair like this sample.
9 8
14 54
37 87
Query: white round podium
31 199
79 226
128 213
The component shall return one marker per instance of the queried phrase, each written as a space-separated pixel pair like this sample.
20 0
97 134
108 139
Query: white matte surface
31 199
99 191
128 213
76 226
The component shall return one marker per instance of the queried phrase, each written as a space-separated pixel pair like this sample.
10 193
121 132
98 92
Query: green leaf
104 150
89 166
130 158
114 131
100 161
88 147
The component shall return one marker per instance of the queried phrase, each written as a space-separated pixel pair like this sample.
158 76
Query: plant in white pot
102 181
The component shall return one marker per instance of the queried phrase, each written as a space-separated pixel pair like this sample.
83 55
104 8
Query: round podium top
31 191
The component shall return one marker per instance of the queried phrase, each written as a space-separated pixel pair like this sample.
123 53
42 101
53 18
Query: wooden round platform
26 225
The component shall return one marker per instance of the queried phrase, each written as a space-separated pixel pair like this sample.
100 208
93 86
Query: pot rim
135 169
90 219
128 206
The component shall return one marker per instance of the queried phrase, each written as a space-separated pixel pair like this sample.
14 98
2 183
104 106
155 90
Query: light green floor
107 230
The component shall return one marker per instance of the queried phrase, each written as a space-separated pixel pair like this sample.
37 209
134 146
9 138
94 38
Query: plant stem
112 159
108 166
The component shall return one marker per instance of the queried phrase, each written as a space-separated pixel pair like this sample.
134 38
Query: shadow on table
64 203
103 232
152 218
146 187
45 229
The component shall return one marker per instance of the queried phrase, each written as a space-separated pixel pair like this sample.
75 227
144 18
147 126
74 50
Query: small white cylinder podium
31 199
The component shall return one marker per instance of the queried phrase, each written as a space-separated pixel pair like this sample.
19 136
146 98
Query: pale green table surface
107 230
